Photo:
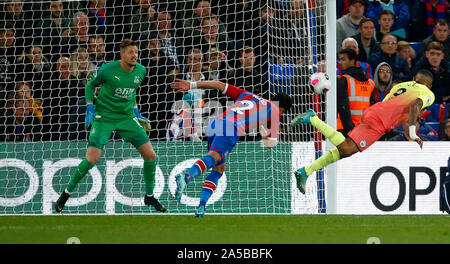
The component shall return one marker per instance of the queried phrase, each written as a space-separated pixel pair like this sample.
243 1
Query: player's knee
149 156
93 156
220 168
147 152
347 148
217 157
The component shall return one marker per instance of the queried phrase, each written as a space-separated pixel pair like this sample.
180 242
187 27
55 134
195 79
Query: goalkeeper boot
304 118
301 177
181 184
201 210
61 201
151 200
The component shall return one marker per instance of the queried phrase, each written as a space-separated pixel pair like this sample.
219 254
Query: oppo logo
112 194
413 190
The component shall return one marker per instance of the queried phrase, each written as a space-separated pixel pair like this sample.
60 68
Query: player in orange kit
402 105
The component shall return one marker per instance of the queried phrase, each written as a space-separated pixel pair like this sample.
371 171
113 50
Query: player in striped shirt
248 111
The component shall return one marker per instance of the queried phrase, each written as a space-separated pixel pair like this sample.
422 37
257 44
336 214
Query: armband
193 85
226 89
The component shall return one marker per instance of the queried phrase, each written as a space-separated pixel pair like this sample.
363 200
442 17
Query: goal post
50 49
331 102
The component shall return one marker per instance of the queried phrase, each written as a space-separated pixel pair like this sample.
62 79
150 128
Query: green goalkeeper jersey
117 95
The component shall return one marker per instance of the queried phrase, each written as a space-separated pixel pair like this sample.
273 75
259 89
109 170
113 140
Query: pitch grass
225 229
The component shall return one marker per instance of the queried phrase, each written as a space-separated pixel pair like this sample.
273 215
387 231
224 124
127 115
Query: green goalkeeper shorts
129 129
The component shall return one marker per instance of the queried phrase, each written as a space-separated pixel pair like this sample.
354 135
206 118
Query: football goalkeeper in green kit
116 110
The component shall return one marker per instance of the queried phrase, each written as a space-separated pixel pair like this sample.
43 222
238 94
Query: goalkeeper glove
90 115
145 123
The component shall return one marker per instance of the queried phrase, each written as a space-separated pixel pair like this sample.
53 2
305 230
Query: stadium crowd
48 50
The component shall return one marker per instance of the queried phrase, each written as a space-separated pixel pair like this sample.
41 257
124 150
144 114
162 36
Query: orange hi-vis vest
359 98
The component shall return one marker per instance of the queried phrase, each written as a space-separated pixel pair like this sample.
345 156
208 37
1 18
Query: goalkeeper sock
209 186
335 137
79 173
149 176
328 158
200 166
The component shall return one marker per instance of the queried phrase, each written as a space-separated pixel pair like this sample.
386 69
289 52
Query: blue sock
199 167
209 186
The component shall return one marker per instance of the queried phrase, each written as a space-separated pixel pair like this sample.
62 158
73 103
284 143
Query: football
320 82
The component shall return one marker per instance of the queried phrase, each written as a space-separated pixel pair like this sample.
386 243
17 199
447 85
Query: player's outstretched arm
413 119
183 85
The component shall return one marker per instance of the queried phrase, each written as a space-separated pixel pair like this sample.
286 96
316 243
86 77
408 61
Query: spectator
295 51
440 34
23 89
154 97
398 8
426 13
237 15
58 100
19 123
96 50
247 76
342 8
194 68
269 28
108 18
348 25
366 41
99 16
77 36
63 69
444 130
354 90
7 59
385 22
351 43
9 102
388 54
383 82
50 29
211 37
216 67
435 62
143 18
76 121
158 65
407 52
261 30
33 67
15 14
171 46
80 69
202 9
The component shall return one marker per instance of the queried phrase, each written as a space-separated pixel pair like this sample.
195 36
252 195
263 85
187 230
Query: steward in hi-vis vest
354 92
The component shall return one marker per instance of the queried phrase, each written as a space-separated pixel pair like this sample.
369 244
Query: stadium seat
415 46
434 125
280 77
434 116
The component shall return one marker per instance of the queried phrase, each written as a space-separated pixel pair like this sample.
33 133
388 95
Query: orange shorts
369 129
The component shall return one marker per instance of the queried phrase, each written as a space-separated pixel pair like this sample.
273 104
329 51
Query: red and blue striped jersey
251 111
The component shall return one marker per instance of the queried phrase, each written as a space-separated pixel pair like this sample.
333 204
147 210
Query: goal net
49 50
